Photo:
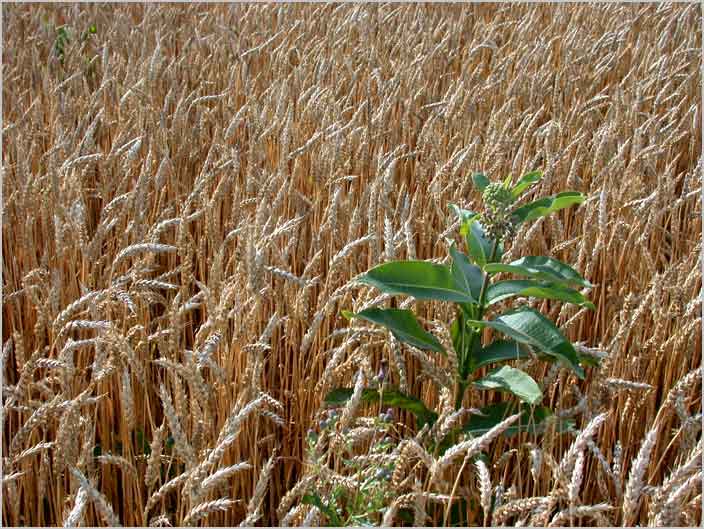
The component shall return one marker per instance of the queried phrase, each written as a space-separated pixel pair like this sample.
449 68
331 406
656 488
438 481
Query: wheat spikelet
670 514
291 495
617 383
408 448
354 401
8 479
634 486
576 481
69 310
165 489
223 474
123 463
471 447
75 517
516 507
581 511
98 499
231 430
347 250
36 449
136 249
580 444
38 416
181 443
451 419
254 505
204 509
154 460
441 377
127 400
675 479
160 521
484 480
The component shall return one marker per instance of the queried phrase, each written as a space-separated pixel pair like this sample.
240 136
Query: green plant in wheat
365 504
470 282
64 35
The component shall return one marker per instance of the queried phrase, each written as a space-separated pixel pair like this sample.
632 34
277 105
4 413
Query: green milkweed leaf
498 351
540 267
466 274
420 279
402 324
533 419
547 205
529 326
480 181
535 289
525 182
513 380
479 251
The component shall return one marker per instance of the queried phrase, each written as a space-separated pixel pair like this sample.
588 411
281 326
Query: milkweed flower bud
497 218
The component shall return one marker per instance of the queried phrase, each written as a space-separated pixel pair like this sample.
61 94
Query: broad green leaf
391 397
540 267
547 205
498 351
466 274
534 289
525 182
529 326
477 231
479 245
479 251
420 279
513 380
402 324
480 181
533 419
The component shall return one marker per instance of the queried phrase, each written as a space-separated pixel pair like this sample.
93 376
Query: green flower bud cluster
497 216
497 197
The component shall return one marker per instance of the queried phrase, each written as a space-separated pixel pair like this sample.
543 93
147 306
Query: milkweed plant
470 281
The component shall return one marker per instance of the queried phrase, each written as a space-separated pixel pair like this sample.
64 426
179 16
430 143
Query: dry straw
186 175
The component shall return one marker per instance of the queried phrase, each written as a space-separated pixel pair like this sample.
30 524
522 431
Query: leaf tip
480 181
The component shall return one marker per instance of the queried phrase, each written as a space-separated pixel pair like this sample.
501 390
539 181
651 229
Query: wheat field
188 191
